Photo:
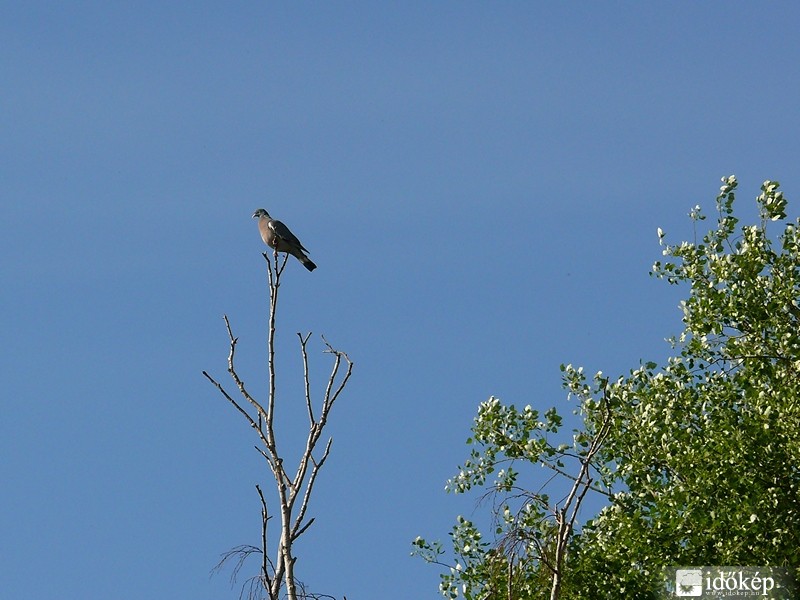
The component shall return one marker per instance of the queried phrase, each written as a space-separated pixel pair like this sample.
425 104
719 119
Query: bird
276 235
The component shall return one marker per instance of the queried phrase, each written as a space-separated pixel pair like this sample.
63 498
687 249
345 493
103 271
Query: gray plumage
276 235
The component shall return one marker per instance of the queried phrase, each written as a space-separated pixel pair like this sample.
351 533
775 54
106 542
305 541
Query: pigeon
276 235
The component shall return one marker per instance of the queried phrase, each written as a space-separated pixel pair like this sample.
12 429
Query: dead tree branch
293 493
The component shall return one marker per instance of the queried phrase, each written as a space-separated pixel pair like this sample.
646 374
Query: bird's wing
282 231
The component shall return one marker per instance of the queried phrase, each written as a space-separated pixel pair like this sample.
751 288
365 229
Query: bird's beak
255 215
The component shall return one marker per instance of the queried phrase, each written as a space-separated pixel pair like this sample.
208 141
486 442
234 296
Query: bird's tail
301 256
307 263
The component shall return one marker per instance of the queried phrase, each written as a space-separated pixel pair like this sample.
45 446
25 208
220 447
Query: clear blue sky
479 183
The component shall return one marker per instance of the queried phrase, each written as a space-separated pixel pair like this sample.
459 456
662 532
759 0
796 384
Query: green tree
701 462
706 447
532 531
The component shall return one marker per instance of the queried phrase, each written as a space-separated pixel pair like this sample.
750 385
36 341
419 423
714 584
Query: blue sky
479 183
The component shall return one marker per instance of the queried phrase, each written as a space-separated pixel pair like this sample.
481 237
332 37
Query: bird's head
260 213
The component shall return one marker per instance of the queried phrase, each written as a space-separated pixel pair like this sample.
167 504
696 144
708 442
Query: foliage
531 531
706 447
702 462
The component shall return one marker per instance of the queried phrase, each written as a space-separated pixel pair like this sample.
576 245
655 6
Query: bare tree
293 488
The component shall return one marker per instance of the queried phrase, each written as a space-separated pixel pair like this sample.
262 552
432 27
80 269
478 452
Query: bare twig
265 563
297 529
303 342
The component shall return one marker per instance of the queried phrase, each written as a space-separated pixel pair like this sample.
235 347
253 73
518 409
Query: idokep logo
689 582
729 582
